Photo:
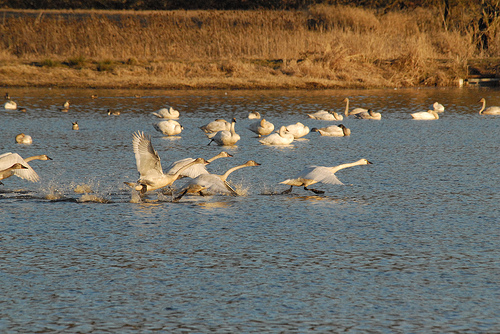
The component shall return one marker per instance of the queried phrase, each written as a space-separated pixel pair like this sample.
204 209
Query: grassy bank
324 47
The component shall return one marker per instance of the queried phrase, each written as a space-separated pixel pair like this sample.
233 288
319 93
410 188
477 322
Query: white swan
354 111
169 128
196 169
5 173
262 127
10 105
280 138
253 115
24 139
149 166
224 137
324 115
437 107
216 126
370 114
488 111
28 173
113 112
314 174
65 106
425 115
333 131
75 126
169 113
205 184
298 130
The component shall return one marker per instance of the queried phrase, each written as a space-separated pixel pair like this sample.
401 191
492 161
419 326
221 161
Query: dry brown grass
324 47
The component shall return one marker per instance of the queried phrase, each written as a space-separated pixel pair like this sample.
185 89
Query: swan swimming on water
211 183
490 110
324 115
354 111
28 173
298 130
254 115
425 115
169 113
216 126
24 139
149 166
333 131
168 128
283 137
196 169
314 174
224 137
437 107
262 127
370 114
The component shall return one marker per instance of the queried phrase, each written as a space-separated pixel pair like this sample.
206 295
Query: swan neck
484 106
224 176
36 157
346 107
339 167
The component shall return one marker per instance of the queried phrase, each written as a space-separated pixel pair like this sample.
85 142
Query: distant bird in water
425 115
65 106
113 112
7 96
314 174
253 115
94 96
75 126
9 105
24 139
333 131
437 107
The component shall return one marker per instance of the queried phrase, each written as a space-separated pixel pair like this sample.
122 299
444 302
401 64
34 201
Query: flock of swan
221 132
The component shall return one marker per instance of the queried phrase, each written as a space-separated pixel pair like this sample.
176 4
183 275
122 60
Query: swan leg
288 191
315 190
210 142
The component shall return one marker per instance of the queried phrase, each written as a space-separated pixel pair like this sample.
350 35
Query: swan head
251 163
482 100
44 157
365 162
224 154
316 129
234 120
345 100
201 161
7 96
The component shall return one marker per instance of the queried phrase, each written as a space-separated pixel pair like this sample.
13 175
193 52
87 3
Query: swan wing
8 159
192 172
146 157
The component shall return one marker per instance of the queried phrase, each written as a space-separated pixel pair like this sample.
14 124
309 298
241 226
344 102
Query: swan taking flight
283 137
216 126
24 139
169 113
262 127
298 130
314 174
28 173
370 114
196 169
425 115
211 183
149 166
333 131
169 128
488 111
224 137
324 115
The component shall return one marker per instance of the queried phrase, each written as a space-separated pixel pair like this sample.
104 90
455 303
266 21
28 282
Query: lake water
407 244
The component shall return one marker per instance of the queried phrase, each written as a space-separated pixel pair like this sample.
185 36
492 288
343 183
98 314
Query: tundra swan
298 130
253 115
283 137
5 173
437 107
226 138
10 105
262 127
28 173
216 126
314 174
425 115
169 128
170 113
24 139
149 166
370 114
489 110
196 169
333 131
212 183
65 106
354 111
75 126
113 112
326 116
